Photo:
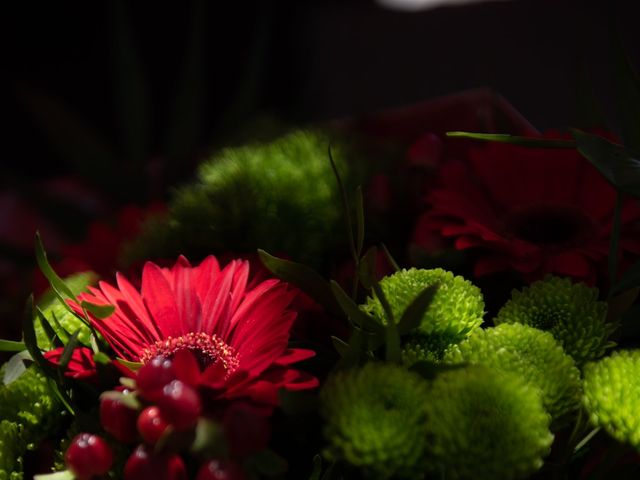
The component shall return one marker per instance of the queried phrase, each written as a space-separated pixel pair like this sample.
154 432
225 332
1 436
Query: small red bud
88 455
151 425
118 419
153 376
180 405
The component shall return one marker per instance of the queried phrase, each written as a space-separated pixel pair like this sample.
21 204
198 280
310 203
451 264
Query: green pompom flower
612 395
376 420
571 312
456 310
533 355
485 424
280 196
11 450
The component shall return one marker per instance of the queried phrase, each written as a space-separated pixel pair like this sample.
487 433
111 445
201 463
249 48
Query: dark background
300 61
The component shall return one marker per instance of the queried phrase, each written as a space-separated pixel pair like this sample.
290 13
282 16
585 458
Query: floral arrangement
299 312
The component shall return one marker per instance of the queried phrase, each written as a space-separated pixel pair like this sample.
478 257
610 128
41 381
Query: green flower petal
485 424
376 420
280 196
571 312
612 395
456 310
533 355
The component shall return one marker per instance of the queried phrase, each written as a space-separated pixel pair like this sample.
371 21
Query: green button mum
612 395
571 312
376 420
456 310
533 355
485 424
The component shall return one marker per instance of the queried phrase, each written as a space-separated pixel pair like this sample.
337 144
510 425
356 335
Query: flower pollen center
207 349
550 225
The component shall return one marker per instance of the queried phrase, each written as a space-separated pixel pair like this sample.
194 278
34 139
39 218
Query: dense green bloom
376 420
571 312
533 355
612 395
280 196
485 424
456 310
11 449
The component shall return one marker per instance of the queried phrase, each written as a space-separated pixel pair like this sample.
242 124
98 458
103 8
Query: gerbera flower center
207 349
550 225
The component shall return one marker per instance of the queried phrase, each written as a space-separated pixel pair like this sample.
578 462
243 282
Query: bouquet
371 300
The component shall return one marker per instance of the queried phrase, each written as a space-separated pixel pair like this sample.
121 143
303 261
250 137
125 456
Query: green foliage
570 312
485 424
533 355
11 449
376 420
280 196
455 311
612 395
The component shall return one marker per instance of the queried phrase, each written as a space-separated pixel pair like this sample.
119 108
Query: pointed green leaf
367 268
303 277
393 350
98 311
414 313
341 347
345 207
619 165
30 341
56 282
67 353
354 353
130 365
128 399
51 338
353 312
390 258
101 358
515 140
11 346
127 382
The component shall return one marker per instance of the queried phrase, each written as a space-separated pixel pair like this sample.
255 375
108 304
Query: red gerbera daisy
533 210
237 333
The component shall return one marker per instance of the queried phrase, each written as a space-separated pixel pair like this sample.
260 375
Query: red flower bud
118 419
151 425
180 405
153 376
145 464
88 455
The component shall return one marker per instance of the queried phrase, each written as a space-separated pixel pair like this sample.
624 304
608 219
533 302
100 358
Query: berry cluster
163 412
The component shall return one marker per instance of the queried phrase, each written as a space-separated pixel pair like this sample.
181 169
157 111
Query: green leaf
57 284
11 346
353 312
31 342
515 140
317 468
127 382
412 316
98 311
63 475
354 353
390 258
101 358
367 268
130 365
54 334
393 350
359 221
303 277
129 399
15 367
619 165
67 353
345 207
341 346
210 439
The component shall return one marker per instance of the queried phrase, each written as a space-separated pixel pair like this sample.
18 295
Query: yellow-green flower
485 424
376 420
612 395
533 355
571 312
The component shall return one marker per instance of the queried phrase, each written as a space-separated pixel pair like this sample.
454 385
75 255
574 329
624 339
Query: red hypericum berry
151 425
153 376
145 464
220 470
180 405
118 419
88 455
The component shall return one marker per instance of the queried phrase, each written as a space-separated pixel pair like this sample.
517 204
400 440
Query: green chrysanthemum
11 450
280 196
485 424
612 395
375 420
456 310
533 355
571 312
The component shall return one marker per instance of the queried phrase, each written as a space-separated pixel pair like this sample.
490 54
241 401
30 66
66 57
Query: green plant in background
570 311
280 196
612 395
456 310
485 424
533 355
376 420
12 448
